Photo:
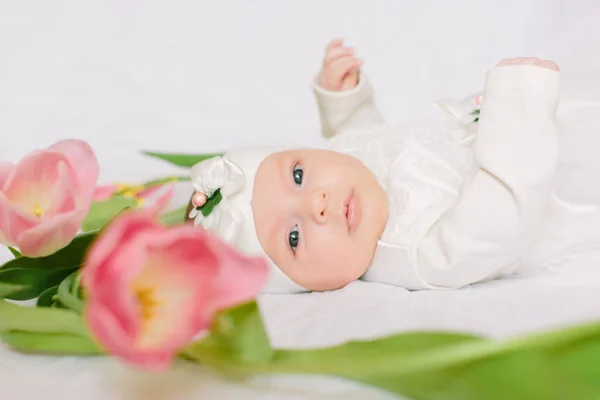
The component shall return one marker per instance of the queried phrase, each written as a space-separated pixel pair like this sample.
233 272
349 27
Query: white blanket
567 292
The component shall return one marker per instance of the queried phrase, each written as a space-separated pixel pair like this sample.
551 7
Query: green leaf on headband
14 252
180 159
211 202
103 212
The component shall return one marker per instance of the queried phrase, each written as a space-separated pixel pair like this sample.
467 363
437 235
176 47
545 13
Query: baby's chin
334 275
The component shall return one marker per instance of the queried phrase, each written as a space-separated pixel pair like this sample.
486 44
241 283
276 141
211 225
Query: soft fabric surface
567 292
203 76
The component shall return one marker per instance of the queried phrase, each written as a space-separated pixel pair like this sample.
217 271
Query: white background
199 76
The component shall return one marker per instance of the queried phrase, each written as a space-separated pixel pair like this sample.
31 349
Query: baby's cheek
342 259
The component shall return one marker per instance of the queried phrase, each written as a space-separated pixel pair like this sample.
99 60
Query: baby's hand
340 68
529 61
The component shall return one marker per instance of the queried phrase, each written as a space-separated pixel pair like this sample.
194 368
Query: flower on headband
218 179
207 213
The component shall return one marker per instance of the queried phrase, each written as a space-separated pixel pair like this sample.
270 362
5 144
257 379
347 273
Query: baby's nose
320 200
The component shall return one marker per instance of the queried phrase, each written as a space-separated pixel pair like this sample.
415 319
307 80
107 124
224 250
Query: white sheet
202 76
565 293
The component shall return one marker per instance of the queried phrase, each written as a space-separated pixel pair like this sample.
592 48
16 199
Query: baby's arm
344 96
501 205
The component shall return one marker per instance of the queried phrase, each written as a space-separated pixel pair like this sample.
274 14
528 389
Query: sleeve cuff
522 81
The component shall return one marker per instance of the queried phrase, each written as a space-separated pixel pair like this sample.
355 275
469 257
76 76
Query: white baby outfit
473 202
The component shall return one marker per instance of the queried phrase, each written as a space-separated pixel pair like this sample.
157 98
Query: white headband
232 218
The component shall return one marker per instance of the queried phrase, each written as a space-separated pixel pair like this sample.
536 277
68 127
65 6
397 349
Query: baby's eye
294 238
298 172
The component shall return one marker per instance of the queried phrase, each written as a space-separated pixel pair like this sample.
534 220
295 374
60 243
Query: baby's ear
190 207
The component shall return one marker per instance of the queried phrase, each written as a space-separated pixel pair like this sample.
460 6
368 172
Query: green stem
75 285
174 217
162 181
14 318
49 343
324 361
14 252
65 293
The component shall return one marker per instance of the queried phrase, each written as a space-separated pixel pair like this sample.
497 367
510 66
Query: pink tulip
150 290
46 196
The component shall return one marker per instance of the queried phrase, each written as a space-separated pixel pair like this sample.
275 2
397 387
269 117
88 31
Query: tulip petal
50 235
13 221
255 271
150 290
161 202
6 170
110 334
179 284
104 192
30 186
82 159
117 234
63 194
108 275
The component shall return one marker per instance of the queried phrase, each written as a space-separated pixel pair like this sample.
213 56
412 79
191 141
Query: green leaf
14 252
428 366
240 332
174 217
17 318
70 256
51 343
33 281
167 180
8 289
181 160
36 275
67 293
48 297
103 212
211 203
237 336
421 365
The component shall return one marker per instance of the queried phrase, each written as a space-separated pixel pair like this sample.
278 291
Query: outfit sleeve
500 206
353 109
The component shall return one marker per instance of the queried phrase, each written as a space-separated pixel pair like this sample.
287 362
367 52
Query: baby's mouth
350 211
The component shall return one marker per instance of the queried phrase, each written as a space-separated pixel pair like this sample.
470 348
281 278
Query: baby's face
318 216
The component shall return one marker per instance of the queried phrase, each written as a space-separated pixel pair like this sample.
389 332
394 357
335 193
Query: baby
438 204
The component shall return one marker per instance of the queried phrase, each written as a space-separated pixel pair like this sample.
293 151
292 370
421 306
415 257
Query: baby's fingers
337 53
333 44
339 68
350 80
